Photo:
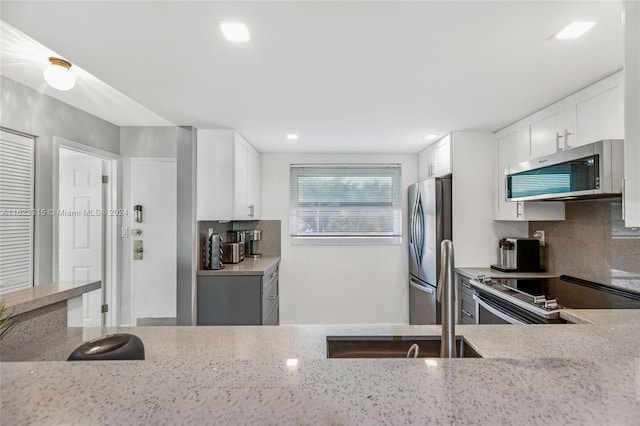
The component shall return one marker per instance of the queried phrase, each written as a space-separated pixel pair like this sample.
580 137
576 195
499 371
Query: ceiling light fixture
430 137
574 30
292 136
58 74
235 31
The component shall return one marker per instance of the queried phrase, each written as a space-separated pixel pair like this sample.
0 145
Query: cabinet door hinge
105 309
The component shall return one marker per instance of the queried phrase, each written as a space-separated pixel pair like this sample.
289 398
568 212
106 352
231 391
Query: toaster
232 252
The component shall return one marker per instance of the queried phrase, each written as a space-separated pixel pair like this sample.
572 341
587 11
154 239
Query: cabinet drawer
273 316
464 286
270 295
467 311
269 277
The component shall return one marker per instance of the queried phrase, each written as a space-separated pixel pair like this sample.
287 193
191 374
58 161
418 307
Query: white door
80 228
153 278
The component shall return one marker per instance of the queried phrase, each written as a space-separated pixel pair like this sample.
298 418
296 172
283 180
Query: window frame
393 208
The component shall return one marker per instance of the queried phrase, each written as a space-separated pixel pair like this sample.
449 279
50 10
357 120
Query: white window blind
16 211
345 204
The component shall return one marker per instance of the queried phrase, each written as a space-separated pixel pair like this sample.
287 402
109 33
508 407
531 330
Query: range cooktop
548 295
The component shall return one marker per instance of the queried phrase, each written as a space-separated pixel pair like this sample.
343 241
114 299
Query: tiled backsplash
593 244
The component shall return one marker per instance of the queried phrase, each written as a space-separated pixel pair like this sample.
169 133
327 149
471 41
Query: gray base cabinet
239 299
466 304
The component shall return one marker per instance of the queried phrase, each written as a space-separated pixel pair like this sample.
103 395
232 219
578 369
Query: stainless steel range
540 301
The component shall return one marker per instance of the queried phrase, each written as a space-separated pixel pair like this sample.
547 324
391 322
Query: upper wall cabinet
596 113
228 177
590 115
546 131
510 147
435 160
631 207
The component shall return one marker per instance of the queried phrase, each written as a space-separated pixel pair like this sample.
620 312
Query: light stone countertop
32 298
570 374
199 391
248 266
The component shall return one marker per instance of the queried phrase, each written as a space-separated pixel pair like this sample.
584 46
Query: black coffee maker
518 255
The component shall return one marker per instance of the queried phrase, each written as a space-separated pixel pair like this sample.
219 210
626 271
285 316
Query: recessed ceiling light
574 30
59 75
235 31
292 136
430 137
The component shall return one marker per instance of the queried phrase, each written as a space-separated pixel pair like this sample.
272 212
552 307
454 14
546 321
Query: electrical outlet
124 232
540 236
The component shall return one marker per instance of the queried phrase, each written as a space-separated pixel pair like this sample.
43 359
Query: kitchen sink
392 347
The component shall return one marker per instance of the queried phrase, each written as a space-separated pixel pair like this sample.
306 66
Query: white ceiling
347 76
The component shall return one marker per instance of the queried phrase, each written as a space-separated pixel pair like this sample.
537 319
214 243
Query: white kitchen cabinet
254 189
246 180
596 113
435 160
228 176
510 147
592 114
546 130
631 206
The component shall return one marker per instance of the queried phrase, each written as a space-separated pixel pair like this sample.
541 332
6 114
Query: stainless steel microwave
594 170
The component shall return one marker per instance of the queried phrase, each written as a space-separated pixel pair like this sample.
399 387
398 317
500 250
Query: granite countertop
584 374
322 392
32 298
248 266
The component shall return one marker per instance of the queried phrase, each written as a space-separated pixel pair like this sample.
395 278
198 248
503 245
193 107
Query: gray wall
186 226
29 111
593 244
157 142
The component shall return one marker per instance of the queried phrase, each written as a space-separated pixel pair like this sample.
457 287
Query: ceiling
353 77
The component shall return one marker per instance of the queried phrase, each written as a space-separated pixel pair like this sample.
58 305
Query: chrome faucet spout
446 295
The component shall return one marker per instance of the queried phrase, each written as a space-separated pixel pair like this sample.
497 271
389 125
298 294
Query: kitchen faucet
446 295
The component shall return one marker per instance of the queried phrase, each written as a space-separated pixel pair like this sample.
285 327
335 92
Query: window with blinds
345 204
16 211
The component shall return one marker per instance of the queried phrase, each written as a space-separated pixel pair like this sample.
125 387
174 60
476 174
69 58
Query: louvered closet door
16 211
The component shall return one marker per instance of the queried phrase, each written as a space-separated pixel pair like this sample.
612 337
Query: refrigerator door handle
423 288
420 227
413 223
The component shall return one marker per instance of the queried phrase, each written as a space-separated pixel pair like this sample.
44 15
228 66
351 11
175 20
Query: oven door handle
496 312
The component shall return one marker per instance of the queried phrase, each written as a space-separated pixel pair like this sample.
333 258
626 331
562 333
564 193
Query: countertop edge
246 267
54 296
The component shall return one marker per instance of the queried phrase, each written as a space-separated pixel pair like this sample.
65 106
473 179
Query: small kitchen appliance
518 255
253 236
239 236
232 252
213 251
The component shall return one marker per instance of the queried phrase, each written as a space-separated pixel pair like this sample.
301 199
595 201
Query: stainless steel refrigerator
429 224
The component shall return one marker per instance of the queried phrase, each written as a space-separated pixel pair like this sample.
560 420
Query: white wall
138 142
337 284
475 233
